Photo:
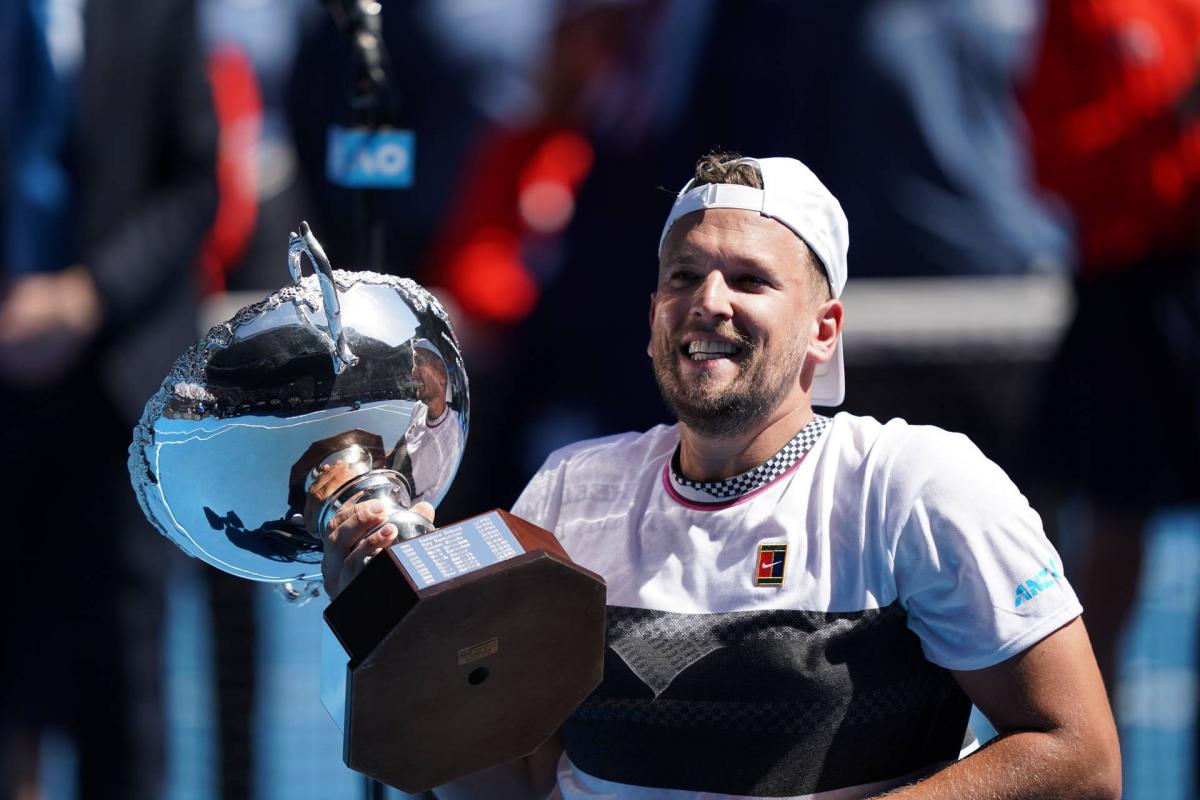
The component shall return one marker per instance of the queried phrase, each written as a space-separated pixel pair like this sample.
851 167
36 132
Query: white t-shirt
874 530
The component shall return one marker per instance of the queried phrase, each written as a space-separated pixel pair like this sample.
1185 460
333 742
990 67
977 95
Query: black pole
372 103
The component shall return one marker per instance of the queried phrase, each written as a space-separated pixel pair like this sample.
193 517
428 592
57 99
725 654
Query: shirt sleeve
974 570
541 500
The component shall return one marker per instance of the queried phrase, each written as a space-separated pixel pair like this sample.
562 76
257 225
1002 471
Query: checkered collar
732 489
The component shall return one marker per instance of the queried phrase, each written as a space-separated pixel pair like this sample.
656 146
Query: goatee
729 410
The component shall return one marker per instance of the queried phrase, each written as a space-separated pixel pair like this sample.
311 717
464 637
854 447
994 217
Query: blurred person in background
909 106
455 68
1114 107
606 76
108 143
250 47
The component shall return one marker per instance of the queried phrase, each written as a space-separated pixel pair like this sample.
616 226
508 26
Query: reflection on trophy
425 454
466 646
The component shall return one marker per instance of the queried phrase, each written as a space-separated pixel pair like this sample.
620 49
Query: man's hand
46 321
352 539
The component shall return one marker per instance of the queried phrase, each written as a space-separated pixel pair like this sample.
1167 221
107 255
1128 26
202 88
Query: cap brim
829 382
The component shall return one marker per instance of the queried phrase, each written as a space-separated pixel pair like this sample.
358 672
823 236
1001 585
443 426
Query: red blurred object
1116 129
517 184
238 104
488 279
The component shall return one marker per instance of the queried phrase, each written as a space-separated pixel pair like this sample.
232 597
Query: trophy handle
306 243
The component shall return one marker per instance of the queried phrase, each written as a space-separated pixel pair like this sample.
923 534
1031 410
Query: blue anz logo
1048 578
372 159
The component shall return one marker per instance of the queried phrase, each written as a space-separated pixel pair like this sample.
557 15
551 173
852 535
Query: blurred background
1022 180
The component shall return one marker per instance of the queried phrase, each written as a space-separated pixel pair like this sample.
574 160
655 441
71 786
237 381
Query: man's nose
713 299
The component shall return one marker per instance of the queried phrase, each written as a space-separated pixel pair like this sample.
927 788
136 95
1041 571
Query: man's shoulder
621 450
867 434
899 464
593 468
898 445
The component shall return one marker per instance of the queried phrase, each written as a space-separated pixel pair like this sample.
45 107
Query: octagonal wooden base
453 678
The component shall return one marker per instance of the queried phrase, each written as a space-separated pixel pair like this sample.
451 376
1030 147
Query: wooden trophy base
468 647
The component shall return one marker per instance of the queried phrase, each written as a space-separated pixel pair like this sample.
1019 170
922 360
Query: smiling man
799 606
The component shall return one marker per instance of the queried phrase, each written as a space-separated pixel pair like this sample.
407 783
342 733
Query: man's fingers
353 539
352 522
349 510
375 509
366 549
330 568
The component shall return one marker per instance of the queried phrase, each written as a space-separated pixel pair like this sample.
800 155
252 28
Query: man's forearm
1027 764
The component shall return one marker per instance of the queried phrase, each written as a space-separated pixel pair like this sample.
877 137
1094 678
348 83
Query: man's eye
683 275
754 280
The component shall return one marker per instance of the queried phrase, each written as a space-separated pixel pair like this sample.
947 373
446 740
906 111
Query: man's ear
650 341
827 326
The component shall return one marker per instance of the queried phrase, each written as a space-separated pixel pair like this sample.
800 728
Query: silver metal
388 487
304 243
299 593
356 367
356 458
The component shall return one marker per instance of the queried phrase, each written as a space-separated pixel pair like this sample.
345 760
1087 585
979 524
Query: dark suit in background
83 630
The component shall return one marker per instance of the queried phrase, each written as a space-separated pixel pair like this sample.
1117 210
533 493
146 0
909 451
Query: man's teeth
704 350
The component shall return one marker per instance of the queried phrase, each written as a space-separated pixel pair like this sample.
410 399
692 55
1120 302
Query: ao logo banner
362 158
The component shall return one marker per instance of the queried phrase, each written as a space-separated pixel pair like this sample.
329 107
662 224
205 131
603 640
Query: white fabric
795 197
874 513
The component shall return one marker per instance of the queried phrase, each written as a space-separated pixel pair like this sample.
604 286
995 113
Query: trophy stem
386 486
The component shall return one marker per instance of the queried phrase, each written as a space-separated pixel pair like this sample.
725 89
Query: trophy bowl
355 366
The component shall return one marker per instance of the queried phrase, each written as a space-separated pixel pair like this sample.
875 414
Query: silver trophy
351 366
458 648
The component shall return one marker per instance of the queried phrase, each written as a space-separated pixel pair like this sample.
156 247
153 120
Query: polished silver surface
385 486
351 366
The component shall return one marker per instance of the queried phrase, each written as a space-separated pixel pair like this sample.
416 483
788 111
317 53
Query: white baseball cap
793 196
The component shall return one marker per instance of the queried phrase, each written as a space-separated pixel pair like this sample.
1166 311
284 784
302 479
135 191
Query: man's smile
709 347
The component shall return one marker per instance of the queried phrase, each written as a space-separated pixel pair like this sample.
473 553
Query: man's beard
716 409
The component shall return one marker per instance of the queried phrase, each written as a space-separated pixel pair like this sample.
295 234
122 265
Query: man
1113 104
107 183
798 606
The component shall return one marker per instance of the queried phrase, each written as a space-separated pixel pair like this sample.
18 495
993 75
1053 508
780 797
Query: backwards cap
793 196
